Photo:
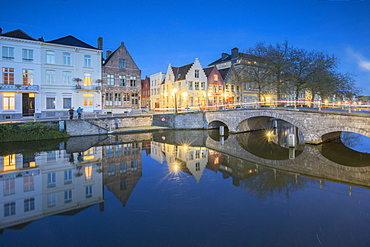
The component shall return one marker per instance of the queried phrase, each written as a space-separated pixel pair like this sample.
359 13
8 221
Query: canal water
186 188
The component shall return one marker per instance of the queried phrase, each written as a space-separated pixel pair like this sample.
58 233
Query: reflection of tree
267 182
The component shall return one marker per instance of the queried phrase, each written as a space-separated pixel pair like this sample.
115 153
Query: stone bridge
312 124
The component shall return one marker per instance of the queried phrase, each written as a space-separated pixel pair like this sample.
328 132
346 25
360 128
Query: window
202 86
52 179
196 85
123 167
87 79
110 80
50 103
9 209
133 81
50 57
67 77
122 81
134 165
197 154
50 77
27 55
8 76
109 99
134 99
68 176
66 58
8 101
27 76
8 53
88 173
67 196
28 183
123 184
117 99
215 77
126 97
111 169
197 166
9 186
52 200
87 61
196 73
122 64
190 85
88 191
67 103
29 204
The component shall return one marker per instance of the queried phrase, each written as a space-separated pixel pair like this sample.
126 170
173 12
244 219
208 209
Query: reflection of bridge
310 162
312 124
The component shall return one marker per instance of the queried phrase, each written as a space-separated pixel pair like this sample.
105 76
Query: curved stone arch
293 121
341 128
215 120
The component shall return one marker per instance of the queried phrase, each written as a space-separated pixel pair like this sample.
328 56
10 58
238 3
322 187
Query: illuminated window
110 80
27 55
88 101
8 76
27 76
29 204
87 61
196 86
202 86
50 57
9 162
28 183
87 79
88 173
66 58
8 53
50 77
215 77
9 209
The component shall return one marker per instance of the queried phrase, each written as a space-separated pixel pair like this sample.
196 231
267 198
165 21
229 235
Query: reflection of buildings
122 168
54 182
191 160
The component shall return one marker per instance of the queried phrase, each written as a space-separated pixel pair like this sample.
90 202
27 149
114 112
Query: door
28 104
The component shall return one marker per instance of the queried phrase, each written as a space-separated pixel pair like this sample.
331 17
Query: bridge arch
325 131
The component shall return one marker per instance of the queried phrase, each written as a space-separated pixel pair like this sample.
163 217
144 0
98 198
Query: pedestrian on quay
71 113
79 112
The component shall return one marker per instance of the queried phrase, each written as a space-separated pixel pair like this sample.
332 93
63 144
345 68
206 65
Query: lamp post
174 91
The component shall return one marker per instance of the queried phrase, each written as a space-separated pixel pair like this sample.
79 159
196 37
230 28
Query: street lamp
174 91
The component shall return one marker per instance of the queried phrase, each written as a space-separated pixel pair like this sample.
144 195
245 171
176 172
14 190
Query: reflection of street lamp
174 91
225 95
184 98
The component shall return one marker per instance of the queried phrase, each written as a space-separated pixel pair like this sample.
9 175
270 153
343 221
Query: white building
155 89
46 79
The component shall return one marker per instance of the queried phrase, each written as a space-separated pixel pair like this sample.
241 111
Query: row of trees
283 70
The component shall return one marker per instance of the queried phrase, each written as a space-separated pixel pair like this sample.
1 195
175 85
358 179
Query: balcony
88 88
18 88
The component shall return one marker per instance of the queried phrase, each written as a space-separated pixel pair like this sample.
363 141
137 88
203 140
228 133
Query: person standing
71 113
79 112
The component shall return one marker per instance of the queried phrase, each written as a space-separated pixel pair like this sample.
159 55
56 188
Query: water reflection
71 177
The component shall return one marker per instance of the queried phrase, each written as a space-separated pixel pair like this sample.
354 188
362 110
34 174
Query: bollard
222 130
291 140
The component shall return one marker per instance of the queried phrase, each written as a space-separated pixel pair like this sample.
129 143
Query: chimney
234 53
100 43
122 44
109 52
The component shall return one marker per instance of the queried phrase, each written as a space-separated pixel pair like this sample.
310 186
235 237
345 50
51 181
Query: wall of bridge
312 124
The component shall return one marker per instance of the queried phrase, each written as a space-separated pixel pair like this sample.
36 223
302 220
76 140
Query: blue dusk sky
157 33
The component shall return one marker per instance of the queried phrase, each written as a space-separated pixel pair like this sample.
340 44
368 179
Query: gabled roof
225 58
71 41
18 34
180 72
224 73
208 71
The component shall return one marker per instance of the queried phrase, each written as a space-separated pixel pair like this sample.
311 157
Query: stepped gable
18 34
71 41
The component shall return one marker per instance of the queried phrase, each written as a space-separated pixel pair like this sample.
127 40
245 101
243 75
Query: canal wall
193 120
